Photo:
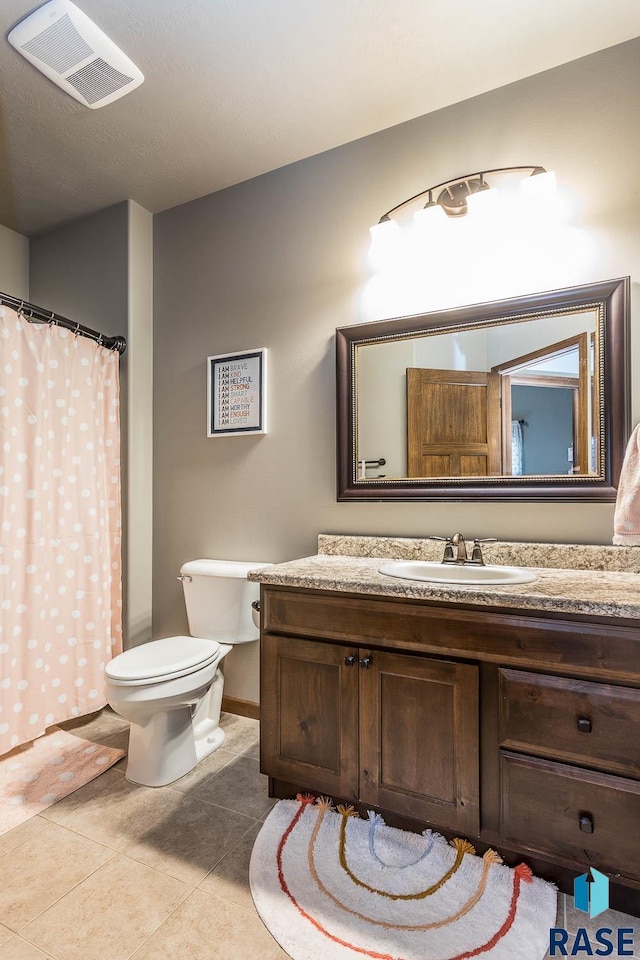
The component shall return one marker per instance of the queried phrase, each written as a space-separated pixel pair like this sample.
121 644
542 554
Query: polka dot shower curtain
60 578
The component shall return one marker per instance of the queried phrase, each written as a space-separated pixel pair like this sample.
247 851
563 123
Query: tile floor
122 872
117 871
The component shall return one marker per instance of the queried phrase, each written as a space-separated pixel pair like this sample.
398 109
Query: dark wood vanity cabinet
393 731
519 731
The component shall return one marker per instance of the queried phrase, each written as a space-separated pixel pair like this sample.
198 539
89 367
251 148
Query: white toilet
171 689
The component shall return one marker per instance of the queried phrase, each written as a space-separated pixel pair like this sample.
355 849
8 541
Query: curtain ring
76 331
52 320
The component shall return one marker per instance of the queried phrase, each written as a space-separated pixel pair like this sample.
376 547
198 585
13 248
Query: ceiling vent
68 47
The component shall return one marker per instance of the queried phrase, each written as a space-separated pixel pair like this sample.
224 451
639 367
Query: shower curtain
60 527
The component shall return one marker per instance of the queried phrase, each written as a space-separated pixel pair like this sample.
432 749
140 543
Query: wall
98 270
14 263
281 260
548 428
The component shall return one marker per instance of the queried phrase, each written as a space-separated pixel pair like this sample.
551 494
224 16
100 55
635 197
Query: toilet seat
165 659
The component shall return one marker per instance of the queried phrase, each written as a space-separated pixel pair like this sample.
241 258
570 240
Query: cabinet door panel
309 715
419 739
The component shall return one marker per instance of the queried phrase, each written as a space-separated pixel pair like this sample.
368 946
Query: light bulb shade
431 217
386 244
539 186
483 203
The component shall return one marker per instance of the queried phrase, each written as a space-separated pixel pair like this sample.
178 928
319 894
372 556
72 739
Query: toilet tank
218 598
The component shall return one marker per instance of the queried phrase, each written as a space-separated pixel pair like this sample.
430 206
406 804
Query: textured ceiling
235 88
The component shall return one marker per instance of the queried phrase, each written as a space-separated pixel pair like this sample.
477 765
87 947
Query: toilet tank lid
221 568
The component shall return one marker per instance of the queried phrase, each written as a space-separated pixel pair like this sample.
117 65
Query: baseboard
243 708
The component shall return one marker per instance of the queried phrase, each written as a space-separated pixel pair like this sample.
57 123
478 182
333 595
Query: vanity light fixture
455 198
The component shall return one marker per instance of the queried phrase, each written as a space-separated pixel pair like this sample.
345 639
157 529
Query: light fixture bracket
452 195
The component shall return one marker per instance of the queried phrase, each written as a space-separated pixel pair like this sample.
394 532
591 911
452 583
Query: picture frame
237 393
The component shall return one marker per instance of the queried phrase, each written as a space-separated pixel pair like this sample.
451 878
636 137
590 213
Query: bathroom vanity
506 714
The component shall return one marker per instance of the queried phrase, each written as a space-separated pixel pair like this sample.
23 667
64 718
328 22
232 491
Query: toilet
171 689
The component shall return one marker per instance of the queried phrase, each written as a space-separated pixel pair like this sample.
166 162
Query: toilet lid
159 658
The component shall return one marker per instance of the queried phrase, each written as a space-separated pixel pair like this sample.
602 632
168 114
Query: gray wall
547 432
280 261
97 270
14 263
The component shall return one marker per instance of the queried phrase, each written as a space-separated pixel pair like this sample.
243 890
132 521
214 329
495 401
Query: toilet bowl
170 690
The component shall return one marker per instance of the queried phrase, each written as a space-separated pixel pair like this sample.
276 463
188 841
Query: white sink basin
451 573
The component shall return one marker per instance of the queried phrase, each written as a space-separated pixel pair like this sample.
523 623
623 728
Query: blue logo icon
591 892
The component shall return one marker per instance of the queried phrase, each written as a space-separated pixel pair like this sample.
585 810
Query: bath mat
329 884
35 775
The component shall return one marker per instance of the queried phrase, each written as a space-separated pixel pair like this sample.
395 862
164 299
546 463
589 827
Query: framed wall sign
237 393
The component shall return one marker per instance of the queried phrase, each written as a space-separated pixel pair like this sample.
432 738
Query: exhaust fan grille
72 51
98 80
60 46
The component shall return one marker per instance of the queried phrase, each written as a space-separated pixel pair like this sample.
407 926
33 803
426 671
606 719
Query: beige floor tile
120 741
42 870
239 786
204 928
108 915
191 840
203 770
253 753
24 831
240 732
5 933
58 811
95 726
609 918
18 949
230 878
171 831
119 815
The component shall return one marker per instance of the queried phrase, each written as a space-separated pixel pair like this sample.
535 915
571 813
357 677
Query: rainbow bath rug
332 886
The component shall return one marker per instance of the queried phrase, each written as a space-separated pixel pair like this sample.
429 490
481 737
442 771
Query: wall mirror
522 399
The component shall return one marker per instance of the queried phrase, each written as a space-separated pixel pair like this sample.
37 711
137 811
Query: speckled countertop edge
595 593
565 556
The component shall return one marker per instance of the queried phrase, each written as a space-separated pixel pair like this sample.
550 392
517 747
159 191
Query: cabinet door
309 714
419 738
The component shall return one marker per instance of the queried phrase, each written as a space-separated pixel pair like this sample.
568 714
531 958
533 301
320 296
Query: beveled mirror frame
610 298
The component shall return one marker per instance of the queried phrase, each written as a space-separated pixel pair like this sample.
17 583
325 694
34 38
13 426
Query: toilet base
169 744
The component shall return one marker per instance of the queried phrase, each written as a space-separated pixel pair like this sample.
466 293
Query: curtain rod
34 314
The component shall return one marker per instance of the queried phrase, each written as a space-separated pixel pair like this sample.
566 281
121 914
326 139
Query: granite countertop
598 591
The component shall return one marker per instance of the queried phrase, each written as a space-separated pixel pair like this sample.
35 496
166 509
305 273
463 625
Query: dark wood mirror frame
610 298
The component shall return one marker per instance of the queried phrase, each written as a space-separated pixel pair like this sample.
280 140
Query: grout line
230 850
47 823
71 889
130 956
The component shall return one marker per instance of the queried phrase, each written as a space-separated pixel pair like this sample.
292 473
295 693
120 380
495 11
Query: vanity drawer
570 813
575 720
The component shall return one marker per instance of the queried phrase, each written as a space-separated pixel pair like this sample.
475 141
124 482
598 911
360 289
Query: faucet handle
476 553
448 548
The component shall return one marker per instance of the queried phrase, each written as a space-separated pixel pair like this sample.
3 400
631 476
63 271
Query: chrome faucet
455 549
460 546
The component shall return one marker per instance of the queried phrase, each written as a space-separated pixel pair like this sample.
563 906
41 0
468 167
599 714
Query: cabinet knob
365 663
349 661
584 725
586 823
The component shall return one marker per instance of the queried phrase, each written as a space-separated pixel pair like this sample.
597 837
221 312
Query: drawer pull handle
584 725
365 663
586 823
349 661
